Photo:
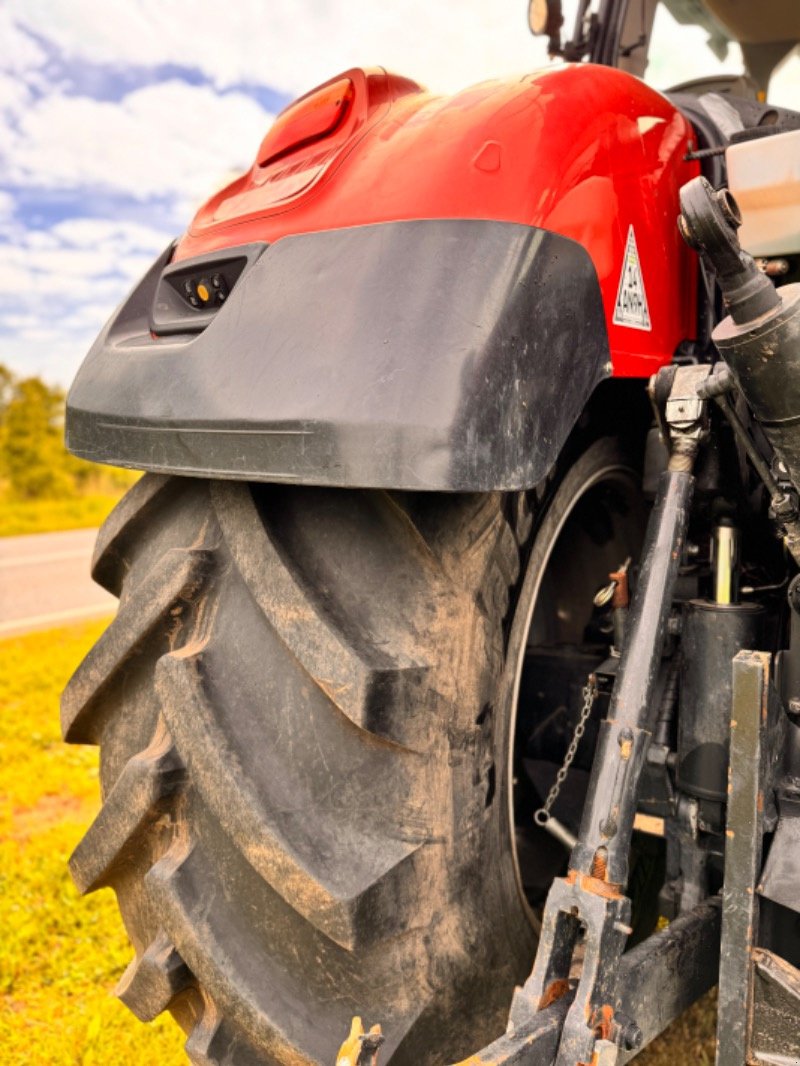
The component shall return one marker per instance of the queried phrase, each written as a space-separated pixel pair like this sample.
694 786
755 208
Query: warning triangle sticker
631 306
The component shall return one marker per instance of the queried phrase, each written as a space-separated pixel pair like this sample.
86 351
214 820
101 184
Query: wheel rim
588 530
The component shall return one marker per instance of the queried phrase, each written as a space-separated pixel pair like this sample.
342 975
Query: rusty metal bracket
591 898
657 981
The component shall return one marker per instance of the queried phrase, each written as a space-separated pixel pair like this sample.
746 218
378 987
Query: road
45 582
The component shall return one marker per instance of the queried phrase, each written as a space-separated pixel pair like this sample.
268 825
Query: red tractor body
586 152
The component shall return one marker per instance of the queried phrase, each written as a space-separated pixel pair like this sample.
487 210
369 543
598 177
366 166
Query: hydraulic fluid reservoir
764 176
713 632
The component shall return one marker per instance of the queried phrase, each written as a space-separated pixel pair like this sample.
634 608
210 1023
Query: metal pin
726 559
556 829
606 593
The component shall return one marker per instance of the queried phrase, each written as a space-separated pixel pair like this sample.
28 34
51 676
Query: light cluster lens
205 291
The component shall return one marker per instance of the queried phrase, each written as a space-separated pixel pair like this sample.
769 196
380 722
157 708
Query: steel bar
668 972
591 895
625 734
534 1043
743 850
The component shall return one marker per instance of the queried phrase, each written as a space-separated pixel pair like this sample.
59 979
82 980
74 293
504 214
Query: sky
119 117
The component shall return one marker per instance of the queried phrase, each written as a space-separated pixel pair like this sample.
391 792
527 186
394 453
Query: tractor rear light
204 291
311 119
307 141
190 292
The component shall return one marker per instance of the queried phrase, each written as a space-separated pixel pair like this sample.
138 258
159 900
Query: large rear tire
305 714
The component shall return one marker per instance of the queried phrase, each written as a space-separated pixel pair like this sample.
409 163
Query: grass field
61 956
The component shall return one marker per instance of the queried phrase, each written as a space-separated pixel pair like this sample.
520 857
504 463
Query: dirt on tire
300 710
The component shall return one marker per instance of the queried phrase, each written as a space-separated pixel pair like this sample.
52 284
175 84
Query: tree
32 455
34 464
6 389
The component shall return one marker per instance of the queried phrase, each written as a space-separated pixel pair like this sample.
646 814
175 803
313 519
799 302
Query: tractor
455 680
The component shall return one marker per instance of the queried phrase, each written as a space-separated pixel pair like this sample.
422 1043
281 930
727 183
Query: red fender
584 151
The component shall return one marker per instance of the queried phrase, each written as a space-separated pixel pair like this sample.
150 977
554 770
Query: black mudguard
434 354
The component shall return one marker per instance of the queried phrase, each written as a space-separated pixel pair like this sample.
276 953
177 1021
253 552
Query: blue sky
119 117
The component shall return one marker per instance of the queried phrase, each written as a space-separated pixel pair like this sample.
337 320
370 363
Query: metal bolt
599 864
632 1036
625 742
608 827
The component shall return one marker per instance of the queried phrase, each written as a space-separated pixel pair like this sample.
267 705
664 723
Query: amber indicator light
309 120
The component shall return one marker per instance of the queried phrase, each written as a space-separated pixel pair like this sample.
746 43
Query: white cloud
171 139
36 238
58 287
14 94
97 232
292 45
18 50
53 356
82 250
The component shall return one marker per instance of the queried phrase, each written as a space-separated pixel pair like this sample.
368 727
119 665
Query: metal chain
542 816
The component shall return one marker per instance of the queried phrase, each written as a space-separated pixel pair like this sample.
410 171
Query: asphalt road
45 582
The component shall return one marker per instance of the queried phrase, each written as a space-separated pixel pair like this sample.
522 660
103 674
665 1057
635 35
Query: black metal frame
759 1004
658 980
619 1002
554 1019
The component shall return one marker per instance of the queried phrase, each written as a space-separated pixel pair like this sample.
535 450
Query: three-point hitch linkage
598 1005
618 1002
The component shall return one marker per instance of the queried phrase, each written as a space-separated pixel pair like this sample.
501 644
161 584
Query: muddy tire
303 711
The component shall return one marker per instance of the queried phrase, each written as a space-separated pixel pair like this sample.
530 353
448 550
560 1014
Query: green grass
48 516
60 956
